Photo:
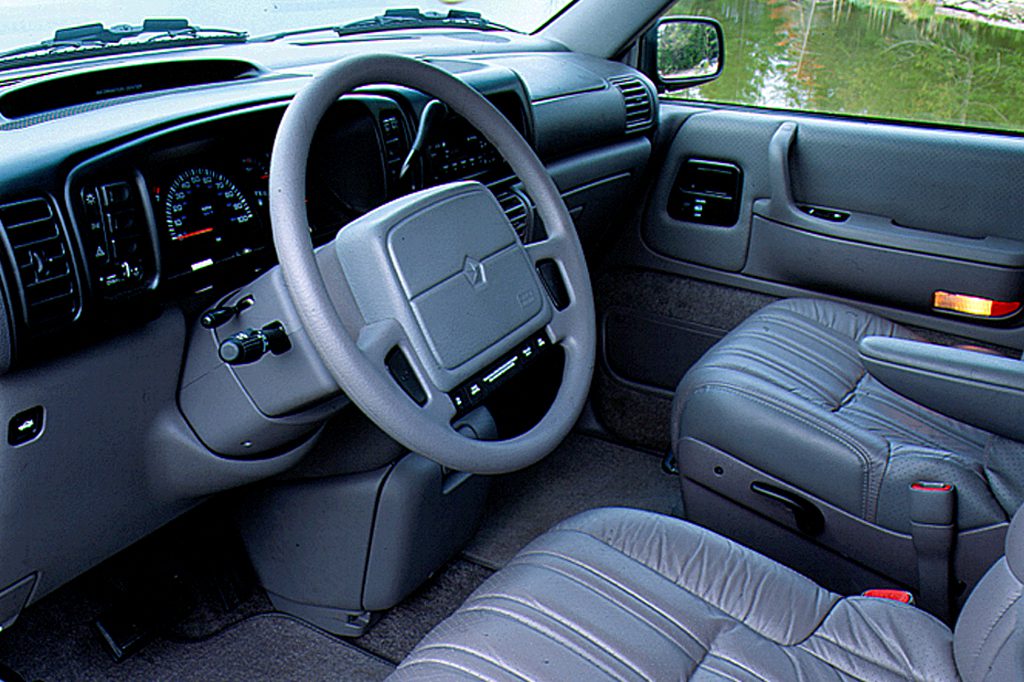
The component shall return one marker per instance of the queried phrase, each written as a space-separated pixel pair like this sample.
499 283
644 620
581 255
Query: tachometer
200 202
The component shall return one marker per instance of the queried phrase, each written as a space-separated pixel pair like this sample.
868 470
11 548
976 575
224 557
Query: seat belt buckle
933 531
932 503
901 596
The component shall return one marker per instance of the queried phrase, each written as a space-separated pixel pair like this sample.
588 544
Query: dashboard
187 210
125 219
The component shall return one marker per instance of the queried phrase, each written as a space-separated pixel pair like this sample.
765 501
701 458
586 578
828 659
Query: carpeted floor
268 647
398 631
583 473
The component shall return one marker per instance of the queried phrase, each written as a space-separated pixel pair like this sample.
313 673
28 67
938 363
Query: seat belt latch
901 596
933 529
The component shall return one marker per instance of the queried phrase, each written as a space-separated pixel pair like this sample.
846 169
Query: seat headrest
1015 545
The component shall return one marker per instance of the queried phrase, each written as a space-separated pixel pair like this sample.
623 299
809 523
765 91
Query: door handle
782 205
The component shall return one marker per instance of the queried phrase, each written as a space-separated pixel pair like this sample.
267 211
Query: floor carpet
398 631
263 647
583 473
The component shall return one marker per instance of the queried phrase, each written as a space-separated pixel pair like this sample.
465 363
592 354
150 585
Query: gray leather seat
784 402
617 594
787 393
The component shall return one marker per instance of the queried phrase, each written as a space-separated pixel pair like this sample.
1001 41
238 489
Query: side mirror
680 52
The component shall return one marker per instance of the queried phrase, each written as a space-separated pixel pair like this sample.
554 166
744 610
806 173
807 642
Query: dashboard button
116 193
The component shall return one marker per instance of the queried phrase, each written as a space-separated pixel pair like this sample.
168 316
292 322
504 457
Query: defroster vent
46 279
638 100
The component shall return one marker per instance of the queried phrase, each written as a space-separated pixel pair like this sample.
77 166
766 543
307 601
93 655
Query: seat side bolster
789 439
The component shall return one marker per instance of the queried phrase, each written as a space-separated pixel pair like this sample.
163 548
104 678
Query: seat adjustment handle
809 519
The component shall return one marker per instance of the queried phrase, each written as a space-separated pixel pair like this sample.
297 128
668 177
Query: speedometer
201 202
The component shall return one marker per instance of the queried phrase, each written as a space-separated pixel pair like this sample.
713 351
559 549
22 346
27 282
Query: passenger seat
787 443
622 594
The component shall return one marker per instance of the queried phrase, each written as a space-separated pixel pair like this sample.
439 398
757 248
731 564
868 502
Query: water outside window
947 61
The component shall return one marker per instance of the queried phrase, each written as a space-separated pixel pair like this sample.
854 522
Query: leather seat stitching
815 330
630 592
995 621
784 409
422 660
675 583
739 665
818 335
752 359
622 588
930 418
889 328
845 400
834 666
545 632
576 627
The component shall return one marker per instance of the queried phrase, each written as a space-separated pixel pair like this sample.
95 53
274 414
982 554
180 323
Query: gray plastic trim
788 254
890 553
980 389
872 229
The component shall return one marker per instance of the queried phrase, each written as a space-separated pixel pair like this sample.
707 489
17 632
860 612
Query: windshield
29 21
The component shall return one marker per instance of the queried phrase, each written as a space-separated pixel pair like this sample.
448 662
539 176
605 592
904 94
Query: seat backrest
989 638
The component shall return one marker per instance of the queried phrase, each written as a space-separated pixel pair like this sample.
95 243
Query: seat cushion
617 594
786 392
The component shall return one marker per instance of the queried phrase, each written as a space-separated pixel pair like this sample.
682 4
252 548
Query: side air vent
518 211
95 85
43 265
638 100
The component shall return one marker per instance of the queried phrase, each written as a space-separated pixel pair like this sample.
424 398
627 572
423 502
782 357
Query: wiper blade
413 18
96 38
396 19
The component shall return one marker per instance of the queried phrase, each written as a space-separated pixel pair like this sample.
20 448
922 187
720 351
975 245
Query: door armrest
986 391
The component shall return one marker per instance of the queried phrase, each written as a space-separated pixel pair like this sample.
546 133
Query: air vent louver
638 100
43 264
517 210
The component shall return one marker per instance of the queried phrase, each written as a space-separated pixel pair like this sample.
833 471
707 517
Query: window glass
946 61
27 21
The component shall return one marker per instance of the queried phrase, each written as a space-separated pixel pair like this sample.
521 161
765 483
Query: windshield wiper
397 19
69 43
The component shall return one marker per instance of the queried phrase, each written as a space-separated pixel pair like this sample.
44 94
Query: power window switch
25 426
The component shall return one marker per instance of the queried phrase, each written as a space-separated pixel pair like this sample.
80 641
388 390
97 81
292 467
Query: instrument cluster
211 213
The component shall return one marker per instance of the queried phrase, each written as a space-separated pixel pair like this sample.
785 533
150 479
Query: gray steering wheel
439 276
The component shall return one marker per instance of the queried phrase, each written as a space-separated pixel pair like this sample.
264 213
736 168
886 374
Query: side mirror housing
680 52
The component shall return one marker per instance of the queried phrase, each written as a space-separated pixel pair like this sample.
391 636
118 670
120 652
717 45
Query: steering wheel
438 276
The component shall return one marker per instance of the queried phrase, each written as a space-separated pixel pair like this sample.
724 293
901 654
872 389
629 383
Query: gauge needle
193 234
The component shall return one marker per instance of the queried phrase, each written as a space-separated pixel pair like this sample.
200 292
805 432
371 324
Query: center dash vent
518 211
638 100
43 266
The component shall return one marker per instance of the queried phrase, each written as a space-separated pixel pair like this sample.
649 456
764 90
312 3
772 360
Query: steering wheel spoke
378 341
553 248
